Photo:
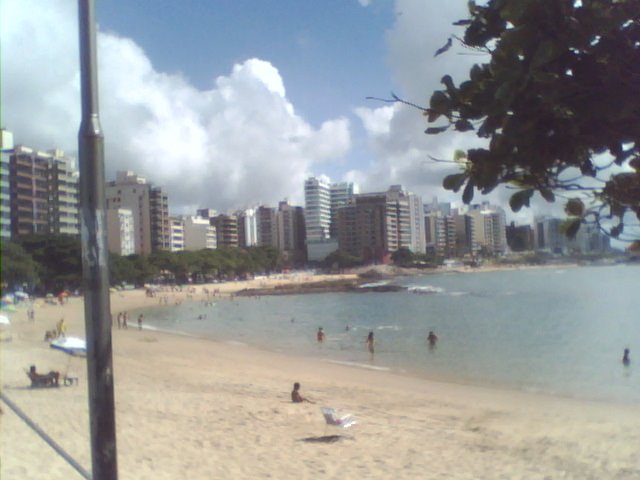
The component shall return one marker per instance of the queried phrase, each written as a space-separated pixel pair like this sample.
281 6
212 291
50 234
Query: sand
200 409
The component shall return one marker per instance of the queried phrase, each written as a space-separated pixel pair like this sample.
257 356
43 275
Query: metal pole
97 310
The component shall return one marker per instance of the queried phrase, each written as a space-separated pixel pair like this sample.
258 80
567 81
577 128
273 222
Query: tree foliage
558 102
59 260
339 260
403 257
18 266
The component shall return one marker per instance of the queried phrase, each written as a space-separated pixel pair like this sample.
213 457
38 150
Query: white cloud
238 143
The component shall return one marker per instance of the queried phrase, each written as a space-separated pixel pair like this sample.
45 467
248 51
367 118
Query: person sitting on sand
295 395
50 379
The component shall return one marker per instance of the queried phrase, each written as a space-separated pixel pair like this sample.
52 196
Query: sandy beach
200 409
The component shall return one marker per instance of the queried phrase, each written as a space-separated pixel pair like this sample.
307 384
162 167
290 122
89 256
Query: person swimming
625 358
432 338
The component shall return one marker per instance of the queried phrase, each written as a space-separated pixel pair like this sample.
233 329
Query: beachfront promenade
199 409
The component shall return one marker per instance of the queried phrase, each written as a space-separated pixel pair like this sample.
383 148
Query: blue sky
228 104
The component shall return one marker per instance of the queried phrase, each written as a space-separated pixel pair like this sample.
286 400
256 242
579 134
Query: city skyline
251 100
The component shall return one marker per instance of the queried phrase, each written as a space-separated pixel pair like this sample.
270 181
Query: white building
317 208
120 231
6 145
176 228
247 227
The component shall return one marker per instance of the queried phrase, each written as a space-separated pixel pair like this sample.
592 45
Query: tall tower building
247 228
317 204
267 226
291 232
44 192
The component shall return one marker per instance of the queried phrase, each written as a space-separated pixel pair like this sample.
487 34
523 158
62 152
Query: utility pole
95 258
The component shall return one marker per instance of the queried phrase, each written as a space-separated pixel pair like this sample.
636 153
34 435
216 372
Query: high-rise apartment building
267 226
226 230
6 145
489 228
160 231
317 205
323 199
43 190
341 194
291 233
247 228
176 227
149 206
367 228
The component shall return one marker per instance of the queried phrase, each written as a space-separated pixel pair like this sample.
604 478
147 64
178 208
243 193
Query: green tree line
51 263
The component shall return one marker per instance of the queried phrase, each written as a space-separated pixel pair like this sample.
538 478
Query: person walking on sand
371 343
61 328
140 317
125 318
320 335
295 395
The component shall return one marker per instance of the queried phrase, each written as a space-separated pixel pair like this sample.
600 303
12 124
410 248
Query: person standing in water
320 335
371 343
432 338
625 358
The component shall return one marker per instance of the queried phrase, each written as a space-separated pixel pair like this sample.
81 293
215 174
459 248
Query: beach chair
332 418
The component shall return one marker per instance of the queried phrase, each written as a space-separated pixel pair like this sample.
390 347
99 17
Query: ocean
559 331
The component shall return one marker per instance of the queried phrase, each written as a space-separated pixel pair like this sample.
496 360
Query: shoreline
194 407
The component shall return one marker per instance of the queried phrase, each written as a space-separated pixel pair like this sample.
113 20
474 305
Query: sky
232 103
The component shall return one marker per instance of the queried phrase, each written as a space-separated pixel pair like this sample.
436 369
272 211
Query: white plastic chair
332 418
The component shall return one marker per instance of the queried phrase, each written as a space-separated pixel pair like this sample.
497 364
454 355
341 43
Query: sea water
550 330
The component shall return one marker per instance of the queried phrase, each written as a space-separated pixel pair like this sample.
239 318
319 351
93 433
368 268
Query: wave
425 289
359 365
375 284
395 328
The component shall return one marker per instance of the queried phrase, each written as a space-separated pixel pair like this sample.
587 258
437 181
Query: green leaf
463 125
520 199
574 207
435 130
454 182
440 103
467 194
547 195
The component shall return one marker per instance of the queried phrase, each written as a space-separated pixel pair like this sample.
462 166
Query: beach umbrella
71 345
7 299
21 295
4 320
